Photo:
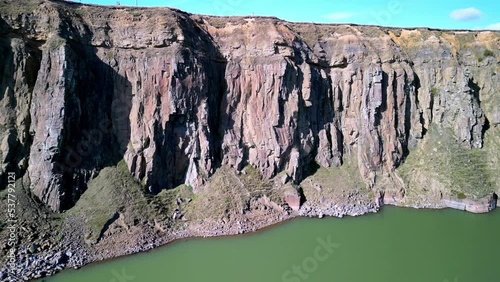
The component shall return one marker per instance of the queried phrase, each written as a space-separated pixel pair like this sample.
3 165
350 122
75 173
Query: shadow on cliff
324 114
475 89
96 103
199 78
97 124
14 109
99 128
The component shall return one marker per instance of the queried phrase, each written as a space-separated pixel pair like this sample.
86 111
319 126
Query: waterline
394 245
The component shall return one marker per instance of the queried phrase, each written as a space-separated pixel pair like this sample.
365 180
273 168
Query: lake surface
395 245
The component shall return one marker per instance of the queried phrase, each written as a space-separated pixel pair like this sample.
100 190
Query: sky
447 14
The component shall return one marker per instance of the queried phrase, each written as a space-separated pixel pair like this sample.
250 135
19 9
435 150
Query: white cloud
495 26
339 16
467 14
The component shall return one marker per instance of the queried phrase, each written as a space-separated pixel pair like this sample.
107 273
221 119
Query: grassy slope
35 223
334 182
228 193
441 161
114 191
492 148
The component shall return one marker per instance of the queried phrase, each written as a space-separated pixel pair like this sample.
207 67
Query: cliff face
178 96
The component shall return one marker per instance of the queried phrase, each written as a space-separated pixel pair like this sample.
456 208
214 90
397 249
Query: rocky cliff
178 95
413 114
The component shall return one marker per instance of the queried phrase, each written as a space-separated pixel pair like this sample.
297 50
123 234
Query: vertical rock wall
177 95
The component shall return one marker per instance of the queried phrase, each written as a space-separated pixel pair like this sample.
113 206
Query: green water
395 245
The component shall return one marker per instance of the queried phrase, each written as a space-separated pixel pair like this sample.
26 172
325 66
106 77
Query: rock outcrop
177 95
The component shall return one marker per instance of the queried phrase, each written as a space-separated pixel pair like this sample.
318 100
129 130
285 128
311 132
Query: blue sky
449 14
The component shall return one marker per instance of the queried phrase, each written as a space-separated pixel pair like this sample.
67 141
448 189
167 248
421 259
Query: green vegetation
257 186
110 55
162 206
82 11
434 91
460 171
59 237
37 225
491 146
228 193
54 42
26 6
459 195
114 192
371 195
406 242
465 40
334 182
312 33
217 22
110 192
347 174
136 13
488 53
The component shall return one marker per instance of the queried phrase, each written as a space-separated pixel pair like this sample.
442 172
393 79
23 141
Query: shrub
488 53
434 91
54 42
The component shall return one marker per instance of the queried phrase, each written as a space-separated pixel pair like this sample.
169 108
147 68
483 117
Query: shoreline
184 234
223 126
267 227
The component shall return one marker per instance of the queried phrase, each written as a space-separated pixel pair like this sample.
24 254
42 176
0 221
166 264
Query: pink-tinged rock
293 201
183 95
483 205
